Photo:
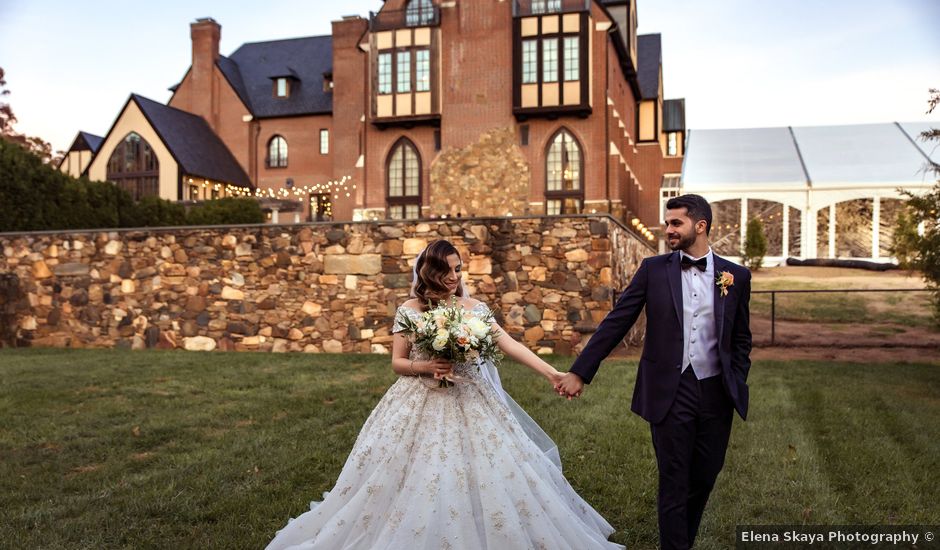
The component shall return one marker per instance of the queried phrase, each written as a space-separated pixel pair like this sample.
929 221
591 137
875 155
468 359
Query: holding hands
569 385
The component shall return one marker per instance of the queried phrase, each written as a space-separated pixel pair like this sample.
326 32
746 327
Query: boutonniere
724 280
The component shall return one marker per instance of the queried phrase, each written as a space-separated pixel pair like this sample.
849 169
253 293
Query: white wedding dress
449 468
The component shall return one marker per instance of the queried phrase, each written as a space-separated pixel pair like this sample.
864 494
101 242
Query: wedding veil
491 375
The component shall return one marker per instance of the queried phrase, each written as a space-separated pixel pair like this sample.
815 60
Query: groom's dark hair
697 208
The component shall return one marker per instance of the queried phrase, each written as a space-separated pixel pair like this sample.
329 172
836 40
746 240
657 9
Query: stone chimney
205 33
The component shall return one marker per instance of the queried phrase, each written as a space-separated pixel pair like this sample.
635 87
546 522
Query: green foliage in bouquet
453 333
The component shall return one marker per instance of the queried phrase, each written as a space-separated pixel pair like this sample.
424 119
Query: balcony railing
524 8
387 20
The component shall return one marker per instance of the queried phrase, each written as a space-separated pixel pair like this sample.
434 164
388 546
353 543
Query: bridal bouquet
453 333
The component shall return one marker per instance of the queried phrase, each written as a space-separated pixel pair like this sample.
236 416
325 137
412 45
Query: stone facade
330 287
486 178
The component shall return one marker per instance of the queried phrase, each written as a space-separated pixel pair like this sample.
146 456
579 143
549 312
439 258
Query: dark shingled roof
234 76
251 67
194 145
93 141
674 115
649 58
86 142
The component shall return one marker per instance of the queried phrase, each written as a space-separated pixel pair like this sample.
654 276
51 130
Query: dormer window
281 87
282 80
419 13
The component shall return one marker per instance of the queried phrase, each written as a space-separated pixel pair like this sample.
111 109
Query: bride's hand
555 377
439 367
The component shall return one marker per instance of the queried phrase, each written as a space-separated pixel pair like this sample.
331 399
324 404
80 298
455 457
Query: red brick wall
225 116
349 104
305 164
476 96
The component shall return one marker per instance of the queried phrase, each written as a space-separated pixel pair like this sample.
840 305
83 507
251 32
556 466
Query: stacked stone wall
331 287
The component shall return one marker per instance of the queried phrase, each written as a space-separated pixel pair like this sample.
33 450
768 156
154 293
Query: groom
693 371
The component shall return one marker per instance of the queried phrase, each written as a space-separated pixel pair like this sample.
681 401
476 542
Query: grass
901 308
110 449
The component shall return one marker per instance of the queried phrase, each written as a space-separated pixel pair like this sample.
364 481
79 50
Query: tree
906 239
755 245
917 234
35 196
7 118
35 145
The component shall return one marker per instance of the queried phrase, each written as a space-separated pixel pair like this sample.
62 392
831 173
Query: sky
70 65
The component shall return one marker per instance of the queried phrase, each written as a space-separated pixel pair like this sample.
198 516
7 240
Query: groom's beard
684 242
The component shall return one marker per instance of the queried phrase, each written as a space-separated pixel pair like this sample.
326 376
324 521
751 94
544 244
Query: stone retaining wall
329 287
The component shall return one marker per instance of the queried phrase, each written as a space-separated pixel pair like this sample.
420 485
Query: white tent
807 183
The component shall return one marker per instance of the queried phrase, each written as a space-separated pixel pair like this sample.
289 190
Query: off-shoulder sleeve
398 325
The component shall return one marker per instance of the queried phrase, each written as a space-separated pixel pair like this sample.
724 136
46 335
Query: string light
300 194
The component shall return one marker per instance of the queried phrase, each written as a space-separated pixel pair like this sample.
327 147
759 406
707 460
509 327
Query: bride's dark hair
431 267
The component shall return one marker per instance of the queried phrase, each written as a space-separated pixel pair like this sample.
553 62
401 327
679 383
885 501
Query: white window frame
324 141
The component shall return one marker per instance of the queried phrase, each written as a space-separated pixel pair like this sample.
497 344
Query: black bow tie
701 263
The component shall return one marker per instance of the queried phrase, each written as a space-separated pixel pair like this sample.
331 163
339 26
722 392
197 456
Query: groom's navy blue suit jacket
657 284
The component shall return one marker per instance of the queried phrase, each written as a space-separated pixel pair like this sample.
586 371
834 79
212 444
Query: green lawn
902 308
109 449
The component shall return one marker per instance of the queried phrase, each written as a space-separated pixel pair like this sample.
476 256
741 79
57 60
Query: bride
461 467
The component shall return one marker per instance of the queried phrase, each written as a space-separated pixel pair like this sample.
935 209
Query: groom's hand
570 386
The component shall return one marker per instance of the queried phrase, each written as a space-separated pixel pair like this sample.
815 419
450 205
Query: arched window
419 12
133 167
403 169
277 152
564 175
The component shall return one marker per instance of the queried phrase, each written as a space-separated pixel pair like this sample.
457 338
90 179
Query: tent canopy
797 158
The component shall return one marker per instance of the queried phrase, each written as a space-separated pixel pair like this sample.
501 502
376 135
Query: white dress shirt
700 338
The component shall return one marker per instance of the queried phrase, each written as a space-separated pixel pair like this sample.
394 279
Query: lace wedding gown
448 469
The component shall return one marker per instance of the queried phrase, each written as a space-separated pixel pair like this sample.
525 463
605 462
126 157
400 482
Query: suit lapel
721 264
674 276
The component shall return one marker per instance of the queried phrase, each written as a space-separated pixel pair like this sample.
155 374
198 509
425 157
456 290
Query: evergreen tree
755 245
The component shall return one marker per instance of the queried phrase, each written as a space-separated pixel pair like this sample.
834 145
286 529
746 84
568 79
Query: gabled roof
674 115
234 76
93 141
194 145
85 141
649 58
251 67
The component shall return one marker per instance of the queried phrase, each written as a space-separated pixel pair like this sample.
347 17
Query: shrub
755 245
924 250
230 210
35 196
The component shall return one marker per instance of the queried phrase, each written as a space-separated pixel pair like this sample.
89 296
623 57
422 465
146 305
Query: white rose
477 327
439 343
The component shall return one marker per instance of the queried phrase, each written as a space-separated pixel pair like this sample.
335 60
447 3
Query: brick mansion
427 108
